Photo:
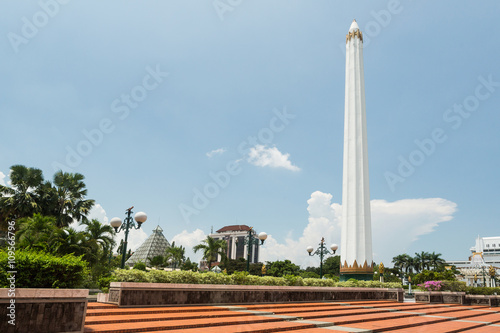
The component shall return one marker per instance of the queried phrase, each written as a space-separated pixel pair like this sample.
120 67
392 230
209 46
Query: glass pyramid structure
154 245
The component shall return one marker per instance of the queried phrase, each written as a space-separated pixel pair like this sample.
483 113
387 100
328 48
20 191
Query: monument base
357 276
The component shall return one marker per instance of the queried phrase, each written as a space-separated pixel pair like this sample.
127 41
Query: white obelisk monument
356 239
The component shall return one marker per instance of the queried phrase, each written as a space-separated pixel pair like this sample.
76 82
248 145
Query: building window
487 245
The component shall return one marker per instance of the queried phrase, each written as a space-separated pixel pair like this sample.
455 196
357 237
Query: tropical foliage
175 255
420 262
28 194
211 249
238 278
41 270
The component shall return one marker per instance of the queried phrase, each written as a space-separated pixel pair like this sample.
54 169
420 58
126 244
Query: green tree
422 261
175 255
71 204
21 198
282 268
156 261
211 249
404 263
189 266
99 235
436 261
332 265
36 232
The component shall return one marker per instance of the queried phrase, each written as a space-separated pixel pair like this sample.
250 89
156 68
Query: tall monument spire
356 238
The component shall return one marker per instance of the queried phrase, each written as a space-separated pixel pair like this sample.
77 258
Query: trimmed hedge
42 270
482 291
238 278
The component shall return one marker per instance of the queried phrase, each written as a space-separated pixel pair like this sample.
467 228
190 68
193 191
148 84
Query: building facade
235 236
475 270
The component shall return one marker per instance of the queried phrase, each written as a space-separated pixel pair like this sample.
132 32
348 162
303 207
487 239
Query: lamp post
116 223
321 251
250 240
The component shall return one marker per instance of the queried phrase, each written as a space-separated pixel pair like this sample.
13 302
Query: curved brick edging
44 310
127 294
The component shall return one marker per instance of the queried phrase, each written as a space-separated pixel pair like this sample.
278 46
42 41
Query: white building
235 236
475 270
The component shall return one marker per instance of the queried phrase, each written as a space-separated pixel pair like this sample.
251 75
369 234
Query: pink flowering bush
432 285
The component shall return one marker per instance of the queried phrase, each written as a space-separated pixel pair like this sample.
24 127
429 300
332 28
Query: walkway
352 316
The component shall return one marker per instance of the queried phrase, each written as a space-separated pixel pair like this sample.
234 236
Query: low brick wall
446 297
486 300
43 310
129 294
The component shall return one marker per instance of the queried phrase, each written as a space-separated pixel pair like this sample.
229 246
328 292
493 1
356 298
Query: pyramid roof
154 245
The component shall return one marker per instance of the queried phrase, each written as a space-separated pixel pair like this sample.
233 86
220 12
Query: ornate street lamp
250 240
322 251
116 223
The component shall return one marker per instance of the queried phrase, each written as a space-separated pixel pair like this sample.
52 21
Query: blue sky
153 100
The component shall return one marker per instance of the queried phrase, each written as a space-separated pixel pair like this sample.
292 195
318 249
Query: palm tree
404 263
175 254
36 232
435 260
422 261
21 199
99 236
211 249
68 240
71 203
156 261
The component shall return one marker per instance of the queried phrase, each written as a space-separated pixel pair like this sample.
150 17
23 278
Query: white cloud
97 212
395 225
188 240
218 151
135 239
2 178
263 156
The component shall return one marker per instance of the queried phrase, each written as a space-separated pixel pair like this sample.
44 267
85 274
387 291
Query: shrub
482 291
239 278
431 285
140 266
454 286
292 280
104 282
42 270
310 282
130 275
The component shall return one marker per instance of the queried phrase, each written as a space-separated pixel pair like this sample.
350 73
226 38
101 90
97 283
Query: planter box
447 297
43 310
130 294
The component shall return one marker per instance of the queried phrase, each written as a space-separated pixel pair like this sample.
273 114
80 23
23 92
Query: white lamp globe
310 249
115 222
140 217
263 236
334 247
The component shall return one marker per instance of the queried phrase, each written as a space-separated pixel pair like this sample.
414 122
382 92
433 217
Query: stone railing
128 294
43 310
440 297
486 300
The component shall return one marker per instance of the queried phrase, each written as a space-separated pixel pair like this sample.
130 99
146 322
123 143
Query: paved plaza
349 316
